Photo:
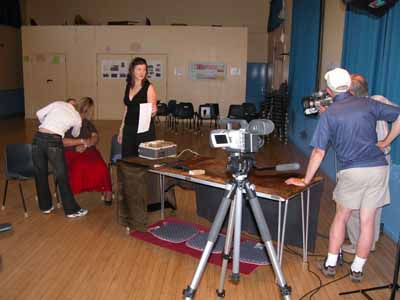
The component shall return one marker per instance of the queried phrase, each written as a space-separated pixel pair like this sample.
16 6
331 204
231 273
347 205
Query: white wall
252 14
182 45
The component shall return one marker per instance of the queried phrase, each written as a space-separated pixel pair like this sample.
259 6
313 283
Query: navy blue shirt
349 125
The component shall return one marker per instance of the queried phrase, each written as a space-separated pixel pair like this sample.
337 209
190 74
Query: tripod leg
227 250
188 293
266 237
237 231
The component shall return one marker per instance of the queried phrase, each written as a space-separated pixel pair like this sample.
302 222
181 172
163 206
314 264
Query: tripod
240 165
394 286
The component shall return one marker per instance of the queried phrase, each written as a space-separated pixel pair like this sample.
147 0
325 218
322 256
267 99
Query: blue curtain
371 47
304 47
10 13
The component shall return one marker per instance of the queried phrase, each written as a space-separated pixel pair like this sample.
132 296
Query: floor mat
216 259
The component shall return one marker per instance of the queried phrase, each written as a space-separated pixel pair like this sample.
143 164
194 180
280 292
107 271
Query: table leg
162 195
283 232
278 244
307 221
303 231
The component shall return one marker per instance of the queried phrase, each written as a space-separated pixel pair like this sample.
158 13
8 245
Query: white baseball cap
338 80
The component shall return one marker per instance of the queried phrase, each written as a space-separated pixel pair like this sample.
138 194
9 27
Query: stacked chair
275 108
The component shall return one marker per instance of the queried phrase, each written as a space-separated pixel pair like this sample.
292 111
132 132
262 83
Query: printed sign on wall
207 70
114 69
154 70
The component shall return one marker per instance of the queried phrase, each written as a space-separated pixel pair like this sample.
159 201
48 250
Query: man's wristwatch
304 181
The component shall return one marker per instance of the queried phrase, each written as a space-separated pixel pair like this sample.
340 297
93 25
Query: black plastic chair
162 110
18 166
249 111
208 111
184 111
235 111
171 108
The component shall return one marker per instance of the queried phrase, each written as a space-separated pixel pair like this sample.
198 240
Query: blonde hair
85 107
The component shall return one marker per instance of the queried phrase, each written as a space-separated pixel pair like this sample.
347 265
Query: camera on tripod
247 139
312 104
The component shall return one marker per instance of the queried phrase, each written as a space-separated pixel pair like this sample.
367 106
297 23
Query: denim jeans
49 148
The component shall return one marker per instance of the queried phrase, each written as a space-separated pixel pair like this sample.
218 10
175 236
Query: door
256 83
48 80
111 81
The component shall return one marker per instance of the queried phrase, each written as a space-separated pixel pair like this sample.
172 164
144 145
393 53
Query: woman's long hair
86 107
136 62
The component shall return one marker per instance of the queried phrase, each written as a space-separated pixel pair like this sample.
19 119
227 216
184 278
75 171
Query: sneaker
356 276
107 202
328 271
80 213
48 211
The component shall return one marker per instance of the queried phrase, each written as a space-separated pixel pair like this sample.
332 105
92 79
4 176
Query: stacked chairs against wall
184 113
209 112
275 108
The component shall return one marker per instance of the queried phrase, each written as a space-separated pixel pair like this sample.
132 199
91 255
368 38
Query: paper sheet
144 117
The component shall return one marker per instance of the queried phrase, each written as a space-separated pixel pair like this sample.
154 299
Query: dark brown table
268 185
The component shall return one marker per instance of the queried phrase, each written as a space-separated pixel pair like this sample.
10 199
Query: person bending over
47 147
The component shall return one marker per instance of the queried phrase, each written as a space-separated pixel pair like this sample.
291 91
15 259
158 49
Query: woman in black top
138 90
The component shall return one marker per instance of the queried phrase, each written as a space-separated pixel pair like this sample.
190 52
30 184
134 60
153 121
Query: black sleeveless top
133 106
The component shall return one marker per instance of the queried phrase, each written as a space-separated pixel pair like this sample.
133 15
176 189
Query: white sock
358 264
331 260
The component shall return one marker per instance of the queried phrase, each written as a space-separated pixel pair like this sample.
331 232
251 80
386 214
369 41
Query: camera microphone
280 168
229 122
261 127
288 167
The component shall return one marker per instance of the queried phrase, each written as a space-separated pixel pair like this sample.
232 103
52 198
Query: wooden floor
51 257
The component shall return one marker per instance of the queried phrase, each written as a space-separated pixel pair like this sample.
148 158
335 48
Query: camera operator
349 125
359 88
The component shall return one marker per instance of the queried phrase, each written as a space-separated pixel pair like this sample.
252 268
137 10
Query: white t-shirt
58 117
382 128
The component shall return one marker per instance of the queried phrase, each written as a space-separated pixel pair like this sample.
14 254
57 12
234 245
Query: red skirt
87 171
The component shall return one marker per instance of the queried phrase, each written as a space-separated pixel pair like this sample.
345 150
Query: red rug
215 259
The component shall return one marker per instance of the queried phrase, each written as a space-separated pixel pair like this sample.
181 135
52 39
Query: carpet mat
216 258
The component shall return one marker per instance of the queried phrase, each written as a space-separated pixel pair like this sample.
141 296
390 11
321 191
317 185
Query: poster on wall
154 70
207 70
114 69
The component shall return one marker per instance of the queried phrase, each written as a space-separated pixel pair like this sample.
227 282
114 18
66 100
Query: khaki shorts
363 187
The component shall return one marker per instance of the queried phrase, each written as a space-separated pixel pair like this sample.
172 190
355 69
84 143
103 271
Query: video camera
246 139
312 104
